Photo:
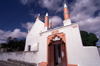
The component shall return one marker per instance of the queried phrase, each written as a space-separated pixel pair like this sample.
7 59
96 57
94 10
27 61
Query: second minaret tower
67 20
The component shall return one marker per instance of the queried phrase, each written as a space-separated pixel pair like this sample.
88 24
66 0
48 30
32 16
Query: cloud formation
52 5
56 20
27 25
14 34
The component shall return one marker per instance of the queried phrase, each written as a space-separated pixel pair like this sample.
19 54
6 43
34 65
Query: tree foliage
3 45
13 44
88 39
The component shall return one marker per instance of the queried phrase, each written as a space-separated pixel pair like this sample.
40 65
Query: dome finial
65 5
46 14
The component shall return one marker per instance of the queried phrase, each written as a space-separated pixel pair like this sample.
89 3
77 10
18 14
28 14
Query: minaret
50 24
38 17
46 23
46 20
67 20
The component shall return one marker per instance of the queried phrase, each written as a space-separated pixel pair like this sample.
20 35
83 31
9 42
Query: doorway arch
53 41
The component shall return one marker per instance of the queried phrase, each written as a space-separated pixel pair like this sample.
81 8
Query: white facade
77 53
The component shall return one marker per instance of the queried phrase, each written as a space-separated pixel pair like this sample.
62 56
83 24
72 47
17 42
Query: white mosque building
60 46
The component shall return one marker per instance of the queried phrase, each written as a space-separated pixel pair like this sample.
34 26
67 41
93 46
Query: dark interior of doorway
57 54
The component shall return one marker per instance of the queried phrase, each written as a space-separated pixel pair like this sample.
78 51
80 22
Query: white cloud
59 9
83 11
33 15
52 5
91 24
24 2
14 34
28 25
56 20
18 34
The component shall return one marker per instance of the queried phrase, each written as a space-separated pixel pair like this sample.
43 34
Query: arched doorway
57 51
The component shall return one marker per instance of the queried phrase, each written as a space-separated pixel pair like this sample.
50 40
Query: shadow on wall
99 50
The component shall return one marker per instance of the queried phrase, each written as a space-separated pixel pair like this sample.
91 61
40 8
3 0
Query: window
29 47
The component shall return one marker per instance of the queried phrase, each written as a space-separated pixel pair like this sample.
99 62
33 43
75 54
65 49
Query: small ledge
58 28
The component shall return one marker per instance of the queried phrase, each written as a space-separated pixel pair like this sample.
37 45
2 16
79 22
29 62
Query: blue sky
18 16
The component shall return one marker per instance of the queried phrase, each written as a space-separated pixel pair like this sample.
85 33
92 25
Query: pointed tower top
46 14
65 5
39 14
38 17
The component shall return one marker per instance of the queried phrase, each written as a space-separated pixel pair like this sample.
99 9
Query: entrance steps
59 64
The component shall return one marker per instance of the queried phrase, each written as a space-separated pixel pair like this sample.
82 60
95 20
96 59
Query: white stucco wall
43 47
32 37
30 57
85 56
